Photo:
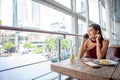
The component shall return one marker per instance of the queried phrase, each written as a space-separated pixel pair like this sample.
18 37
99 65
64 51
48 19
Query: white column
100 9
74 22
87 13
108 20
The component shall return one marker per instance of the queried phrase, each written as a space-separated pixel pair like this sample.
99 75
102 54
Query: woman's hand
85 36
98 37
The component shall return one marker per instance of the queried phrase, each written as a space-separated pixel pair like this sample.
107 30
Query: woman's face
92 32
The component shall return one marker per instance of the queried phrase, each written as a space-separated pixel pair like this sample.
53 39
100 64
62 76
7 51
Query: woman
93 43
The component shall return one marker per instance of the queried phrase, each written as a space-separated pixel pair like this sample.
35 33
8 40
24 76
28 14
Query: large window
44 27
38 16
94 11
32 15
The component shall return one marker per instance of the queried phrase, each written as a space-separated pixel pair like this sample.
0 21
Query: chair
113 53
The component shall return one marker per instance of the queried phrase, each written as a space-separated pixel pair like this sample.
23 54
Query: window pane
81 27
80 5
93 11
42 17
55 20
14 43
66 3
103 17
6 14
81 30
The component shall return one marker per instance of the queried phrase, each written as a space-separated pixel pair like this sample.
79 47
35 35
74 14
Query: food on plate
104 61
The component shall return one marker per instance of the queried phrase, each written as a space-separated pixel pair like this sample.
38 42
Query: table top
116 75
79 70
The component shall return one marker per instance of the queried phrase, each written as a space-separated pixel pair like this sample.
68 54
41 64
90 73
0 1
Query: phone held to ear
86 36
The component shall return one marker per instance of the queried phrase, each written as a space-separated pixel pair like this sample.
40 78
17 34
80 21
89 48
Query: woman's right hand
85 36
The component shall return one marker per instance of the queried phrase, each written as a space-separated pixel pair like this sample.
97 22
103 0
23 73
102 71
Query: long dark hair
97 28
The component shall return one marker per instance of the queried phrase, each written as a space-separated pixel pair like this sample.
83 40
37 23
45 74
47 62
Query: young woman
93 44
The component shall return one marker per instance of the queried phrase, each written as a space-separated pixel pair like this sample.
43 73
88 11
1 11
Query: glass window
33 15
81 27
93 11
6 14
54 20
80 6
66 3
42 17
103 17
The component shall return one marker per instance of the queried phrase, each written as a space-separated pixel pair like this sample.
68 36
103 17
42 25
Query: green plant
8 45
36 50
50 44
27 45
65 44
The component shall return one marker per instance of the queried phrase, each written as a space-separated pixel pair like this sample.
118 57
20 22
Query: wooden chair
113 53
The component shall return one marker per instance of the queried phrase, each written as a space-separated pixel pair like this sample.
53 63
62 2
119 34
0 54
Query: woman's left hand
98 37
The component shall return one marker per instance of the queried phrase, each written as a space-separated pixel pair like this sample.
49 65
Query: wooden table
81 71
116 74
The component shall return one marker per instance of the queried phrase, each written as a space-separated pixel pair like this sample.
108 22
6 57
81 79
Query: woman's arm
101 52
82 49
83 46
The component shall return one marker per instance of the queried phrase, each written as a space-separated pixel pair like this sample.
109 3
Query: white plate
105 62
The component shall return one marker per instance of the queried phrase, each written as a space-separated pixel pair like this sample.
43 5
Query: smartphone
86 36
93 65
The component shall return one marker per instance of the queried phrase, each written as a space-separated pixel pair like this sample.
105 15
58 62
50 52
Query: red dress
91 53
